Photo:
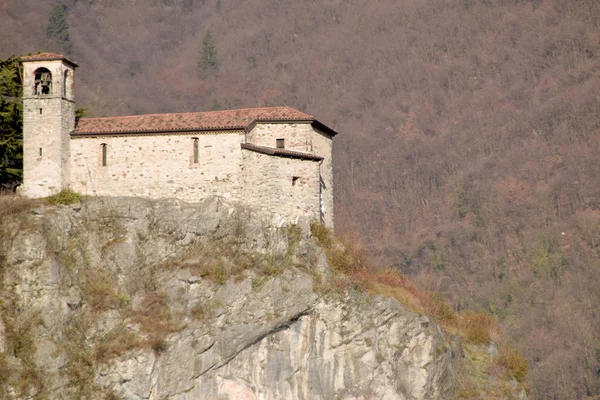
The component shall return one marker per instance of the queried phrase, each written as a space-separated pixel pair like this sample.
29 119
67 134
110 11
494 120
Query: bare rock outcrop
284 342
139 299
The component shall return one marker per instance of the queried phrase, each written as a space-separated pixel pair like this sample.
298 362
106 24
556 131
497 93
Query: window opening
280 143
103 147
196 150
65 83
295 180
40 111
43 82
40 151
321 205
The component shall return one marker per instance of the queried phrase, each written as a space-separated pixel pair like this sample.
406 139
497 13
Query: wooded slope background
469 132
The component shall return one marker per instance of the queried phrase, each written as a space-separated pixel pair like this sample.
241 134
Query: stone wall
67 121
61 87
305 138
286 186
297 137
322 145
161 166
47 121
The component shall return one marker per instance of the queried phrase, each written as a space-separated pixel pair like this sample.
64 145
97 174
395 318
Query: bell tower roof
48 56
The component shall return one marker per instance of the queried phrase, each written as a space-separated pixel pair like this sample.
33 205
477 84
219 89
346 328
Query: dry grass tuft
100 290
11 204
115 343
478 328
219 259
155 319
512 360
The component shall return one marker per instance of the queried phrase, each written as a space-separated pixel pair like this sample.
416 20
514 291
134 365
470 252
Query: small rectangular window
196 155
280 143
40 151
40 110
295 180
103 147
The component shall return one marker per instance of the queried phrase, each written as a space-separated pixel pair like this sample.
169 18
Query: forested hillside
469 132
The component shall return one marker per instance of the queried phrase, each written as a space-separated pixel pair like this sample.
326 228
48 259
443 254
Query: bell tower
48 119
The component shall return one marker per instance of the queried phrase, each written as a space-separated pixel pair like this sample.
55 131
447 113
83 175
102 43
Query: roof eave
324 128
76 133
276 152
63 59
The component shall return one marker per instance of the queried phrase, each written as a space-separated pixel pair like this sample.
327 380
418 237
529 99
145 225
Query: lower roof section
280 152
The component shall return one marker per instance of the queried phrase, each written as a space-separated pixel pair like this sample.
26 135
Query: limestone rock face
80 284
289 344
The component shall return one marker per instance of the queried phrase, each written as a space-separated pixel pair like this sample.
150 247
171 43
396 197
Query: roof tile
281 152
195 121
48 56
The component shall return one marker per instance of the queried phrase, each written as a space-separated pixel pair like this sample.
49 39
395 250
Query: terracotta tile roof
280 152
191 122
47 56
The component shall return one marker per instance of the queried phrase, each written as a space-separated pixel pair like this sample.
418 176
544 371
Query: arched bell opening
43 82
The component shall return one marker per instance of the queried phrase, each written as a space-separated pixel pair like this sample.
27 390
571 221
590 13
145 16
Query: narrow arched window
43 82
103 154
66 77
195 150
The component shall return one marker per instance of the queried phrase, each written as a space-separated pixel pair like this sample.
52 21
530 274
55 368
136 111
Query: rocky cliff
133 299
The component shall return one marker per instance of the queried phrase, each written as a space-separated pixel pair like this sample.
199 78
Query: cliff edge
125 298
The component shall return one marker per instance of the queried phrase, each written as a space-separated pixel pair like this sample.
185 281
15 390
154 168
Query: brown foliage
11 204
115 343
513 361
470 131
478 328
349 257
155 319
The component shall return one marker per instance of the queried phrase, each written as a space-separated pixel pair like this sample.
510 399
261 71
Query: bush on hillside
65 197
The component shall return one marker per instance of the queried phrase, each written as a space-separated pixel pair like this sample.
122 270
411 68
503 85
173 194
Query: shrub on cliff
65 197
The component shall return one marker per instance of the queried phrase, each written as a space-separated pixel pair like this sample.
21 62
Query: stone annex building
277 159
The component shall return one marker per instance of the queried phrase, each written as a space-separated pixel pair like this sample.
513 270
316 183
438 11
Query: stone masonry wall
297 136
302 137
161 166
158 166
288 187
322 145
42 173
67 122
57 68
47 122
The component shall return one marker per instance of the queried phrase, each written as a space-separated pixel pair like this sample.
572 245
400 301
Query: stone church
276 159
